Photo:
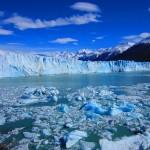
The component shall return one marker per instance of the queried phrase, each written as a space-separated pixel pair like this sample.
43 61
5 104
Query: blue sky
70 24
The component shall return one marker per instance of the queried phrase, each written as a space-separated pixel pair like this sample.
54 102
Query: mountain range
122 58
126 51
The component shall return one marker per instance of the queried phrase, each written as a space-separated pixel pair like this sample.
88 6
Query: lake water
41 117
79 81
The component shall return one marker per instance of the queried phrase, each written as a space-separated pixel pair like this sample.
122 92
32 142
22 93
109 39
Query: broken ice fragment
87 145
31 135
2 120
34 95
63 108
113 111
127 107
72 138
94 108
136 142
46 132
116 110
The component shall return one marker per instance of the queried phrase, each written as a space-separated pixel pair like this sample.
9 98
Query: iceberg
63 108
35 95
14 64
136 142
92 110
127 107
2 120
22 147
113 111
116 110
46 132
72 138
30 135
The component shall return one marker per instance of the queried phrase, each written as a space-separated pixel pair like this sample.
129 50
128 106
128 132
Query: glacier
14 64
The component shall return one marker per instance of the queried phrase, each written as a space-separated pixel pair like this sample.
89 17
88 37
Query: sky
71 25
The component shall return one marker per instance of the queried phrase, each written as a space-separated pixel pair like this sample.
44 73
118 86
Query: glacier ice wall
22 64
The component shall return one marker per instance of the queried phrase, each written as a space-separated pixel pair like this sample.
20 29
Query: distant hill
138 52
127 51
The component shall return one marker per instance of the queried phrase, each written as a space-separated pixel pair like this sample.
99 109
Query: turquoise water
119 83
79 80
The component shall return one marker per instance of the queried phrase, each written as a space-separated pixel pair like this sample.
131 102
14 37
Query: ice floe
78 117
72 138
136 142
34 95
2 120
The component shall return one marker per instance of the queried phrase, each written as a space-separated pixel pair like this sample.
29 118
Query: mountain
124 57
138 52
125 51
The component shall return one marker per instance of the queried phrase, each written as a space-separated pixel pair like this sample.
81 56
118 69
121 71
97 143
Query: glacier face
13 64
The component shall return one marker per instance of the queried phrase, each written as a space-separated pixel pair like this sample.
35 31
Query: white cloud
14 43
64 40
137 38
5 32
129 37
97 38
144 35
23 23
86 7
1 13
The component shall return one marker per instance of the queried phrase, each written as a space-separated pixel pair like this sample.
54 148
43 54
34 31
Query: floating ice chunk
134 142
29 90
91 116
87 145
127 107
94 108
79 98
29 101
113 111
46 132
33 92
2 120
68 125
55 98
31 135
105 92
25 115
45 142
72 138
135 115
34 95
116 110
54 91
52 98
63 108
21 147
